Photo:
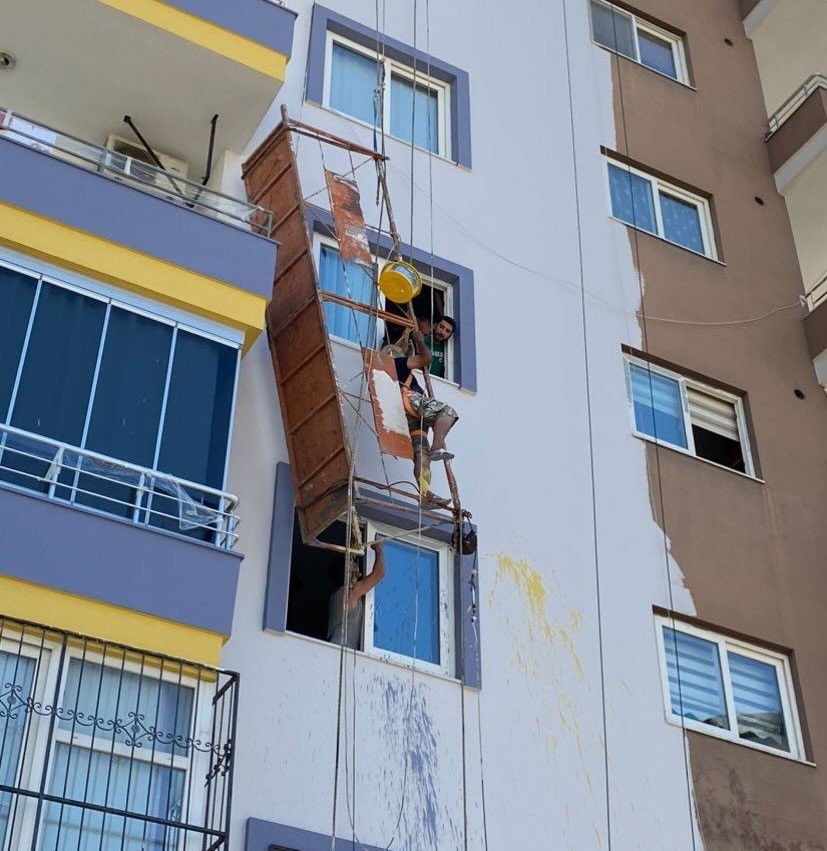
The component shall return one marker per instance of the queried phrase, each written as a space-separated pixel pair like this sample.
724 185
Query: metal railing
817 293
137 173
66 473
791 104
111 748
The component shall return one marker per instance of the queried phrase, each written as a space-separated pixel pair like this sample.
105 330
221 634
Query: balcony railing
791 104
111 748
147 497
817 293
136 173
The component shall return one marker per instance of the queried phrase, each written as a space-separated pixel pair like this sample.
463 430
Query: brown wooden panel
317 440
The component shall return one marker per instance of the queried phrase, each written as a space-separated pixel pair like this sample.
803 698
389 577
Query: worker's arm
423 357
369 582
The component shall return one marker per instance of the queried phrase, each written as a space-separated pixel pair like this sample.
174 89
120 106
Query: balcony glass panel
18 297
106 398
128 400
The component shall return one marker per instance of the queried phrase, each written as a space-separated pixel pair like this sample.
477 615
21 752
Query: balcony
84 524
106 746
171 64
790 42
117 218
815 329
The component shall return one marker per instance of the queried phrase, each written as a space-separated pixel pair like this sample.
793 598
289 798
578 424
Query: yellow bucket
399 281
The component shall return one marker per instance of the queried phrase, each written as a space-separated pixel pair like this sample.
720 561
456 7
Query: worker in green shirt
435 339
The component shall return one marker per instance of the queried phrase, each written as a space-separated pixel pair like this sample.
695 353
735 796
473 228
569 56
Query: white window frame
36 742
447 289
786 688
641 25
659 187
447 650
442 90
123 300
684 383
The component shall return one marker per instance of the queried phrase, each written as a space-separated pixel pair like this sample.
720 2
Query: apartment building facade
620 208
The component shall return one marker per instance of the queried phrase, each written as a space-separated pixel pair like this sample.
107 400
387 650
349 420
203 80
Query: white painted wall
523 463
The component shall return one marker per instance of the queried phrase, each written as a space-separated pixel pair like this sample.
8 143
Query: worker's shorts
425 413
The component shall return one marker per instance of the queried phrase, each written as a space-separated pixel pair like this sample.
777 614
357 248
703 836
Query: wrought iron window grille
111 748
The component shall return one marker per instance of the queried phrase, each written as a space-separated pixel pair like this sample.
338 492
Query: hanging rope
592 477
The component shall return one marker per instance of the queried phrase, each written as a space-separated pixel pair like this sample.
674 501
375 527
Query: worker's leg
442 426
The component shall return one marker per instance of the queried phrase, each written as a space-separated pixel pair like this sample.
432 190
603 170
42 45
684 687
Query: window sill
712 732
407 145
349 344
669 242
645 67
380 659
647 439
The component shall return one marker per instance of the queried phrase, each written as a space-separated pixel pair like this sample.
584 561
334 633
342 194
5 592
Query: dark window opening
315 575
719 449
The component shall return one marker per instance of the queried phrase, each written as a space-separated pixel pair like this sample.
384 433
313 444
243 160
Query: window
408 614
688 415
108 747
90 371
653 205
351 280
405 617
641 41
416 107
728 688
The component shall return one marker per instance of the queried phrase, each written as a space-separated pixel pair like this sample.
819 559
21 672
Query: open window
408 616
689 415
728 688
352 281
640 40
316 574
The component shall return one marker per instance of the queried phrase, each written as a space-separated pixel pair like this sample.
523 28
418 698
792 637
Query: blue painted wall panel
114 561
259 20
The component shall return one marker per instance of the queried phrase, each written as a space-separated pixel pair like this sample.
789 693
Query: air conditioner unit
138 154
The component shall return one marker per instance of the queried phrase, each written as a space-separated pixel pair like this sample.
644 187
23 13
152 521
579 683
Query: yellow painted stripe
30 602
205 34
99 258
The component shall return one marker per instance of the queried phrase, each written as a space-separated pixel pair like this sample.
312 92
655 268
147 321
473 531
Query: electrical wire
487 246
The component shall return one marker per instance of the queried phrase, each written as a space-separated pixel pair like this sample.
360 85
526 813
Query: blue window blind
757 698
696 687
352 83
349 280
16 678
412 575
95 375
681 222
415 115
632 199
613 29
657 53
658 406
55 381
126 410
